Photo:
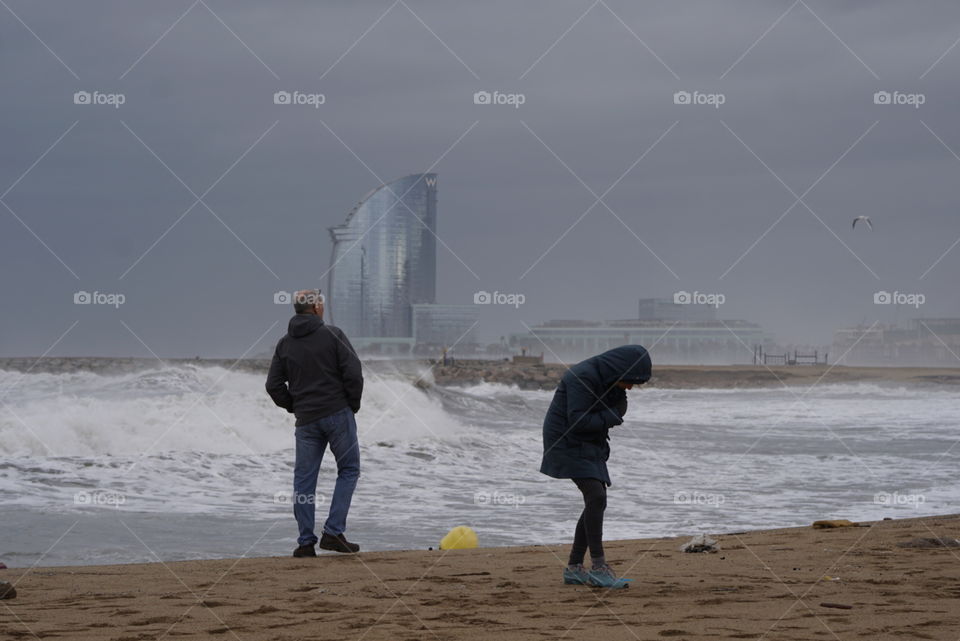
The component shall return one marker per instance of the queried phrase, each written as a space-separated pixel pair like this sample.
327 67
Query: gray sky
798 80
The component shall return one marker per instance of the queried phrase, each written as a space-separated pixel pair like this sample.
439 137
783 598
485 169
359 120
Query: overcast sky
701 197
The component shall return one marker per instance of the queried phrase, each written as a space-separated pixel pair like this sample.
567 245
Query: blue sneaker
603 577
575 575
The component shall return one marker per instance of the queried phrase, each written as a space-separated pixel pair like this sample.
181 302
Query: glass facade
384 259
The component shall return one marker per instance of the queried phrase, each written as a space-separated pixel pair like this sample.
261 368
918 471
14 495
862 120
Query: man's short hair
305 299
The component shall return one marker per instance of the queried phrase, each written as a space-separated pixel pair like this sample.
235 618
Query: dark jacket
314 372
583 410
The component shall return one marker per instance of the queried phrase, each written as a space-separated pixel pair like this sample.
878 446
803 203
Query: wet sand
765 584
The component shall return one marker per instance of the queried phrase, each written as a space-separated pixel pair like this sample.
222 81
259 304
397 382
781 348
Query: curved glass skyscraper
384 259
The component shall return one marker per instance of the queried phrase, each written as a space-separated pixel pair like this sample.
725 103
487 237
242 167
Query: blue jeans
340 432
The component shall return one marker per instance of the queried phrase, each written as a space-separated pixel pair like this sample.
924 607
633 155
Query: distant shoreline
701 376
545 376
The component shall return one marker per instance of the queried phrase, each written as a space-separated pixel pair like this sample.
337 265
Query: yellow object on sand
834 523
459 538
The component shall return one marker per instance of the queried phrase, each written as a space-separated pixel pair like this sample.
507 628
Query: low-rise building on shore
674 332
678 342
928 342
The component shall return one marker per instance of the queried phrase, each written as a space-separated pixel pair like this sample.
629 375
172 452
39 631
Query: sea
191 461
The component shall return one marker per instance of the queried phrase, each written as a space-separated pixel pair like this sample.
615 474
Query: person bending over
590 399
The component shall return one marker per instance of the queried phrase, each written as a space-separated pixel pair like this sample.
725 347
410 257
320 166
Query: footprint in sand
213 604
153 620
265 609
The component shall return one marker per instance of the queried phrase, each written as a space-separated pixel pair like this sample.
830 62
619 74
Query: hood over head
627 363
304 324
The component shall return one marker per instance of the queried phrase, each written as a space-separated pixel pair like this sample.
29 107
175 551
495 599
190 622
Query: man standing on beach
316 375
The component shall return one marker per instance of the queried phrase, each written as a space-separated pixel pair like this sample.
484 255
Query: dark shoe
338 543
304 550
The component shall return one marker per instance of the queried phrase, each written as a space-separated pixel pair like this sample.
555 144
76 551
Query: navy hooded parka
575 430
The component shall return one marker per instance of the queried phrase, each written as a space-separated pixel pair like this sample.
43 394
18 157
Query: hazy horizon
593 184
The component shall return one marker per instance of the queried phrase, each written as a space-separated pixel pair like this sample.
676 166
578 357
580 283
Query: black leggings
589 531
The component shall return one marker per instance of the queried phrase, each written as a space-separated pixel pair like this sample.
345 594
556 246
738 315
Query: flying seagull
865 219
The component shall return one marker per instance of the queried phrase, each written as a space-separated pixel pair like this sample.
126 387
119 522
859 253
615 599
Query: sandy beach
765 584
